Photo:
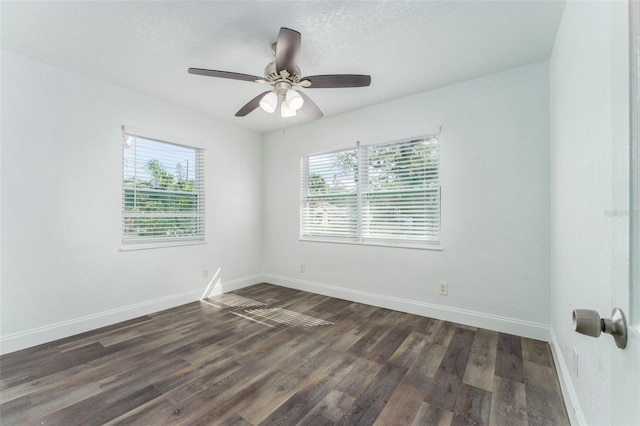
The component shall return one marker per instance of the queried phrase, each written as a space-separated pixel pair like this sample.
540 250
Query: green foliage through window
163 194
387 192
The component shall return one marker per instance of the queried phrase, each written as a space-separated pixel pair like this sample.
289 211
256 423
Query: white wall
62 268
589 178
63 271
495 206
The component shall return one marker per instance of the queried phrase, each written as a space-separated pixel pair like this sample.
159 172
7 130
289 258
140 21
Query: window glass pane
378 193
163 193
330 201
403 195
406 165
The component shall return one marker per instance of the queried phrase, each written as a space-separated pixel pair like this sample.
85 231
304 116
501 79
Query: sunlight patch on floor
214 288
287 317
234 300
252 319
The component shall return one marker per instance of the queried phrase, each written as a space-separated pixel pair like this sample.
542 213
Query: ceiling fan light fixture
285 111
284 74
294 100
269 102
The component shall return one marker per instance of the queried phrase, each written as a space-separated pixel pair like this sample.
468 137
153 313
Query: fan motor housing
271 74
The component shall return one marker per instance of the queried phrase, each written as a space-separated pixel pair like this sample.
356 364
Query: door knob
588 322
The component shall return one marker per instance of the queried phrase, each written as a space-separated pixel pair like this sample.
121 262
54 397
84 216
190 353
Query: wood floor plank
370 339
537 351
473 406
225 348
93 336
382 351
544 401
98 334
366 408
214 383
431 415
235 420
482 360
366 318
145 374
158 411
57 387
135 331
405 402
269 397
300 350
509 357
339 342
209 362
355 323
314 388
49 402
218 405
333 306
448 380
57 361
442 334
101 408
331 408
429 360
50 384
17 411
508 403
278 340
410 348
362 373
165 383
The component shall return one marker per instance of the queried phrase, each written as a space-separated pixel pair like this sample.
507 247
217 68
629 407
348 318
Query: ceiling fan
284 75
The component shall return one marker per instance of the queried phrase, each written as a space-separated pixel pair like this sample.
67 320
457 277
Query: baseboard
216 286
571 402
477 319
242 282
37 336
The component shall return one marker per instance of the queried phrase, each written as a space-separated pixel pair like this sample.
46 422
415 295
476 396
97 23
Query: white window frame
361 233
133 165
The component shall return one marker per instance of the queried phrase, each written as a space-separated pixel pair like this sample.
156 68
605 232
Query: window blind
330 201
402 197
384 193
162 191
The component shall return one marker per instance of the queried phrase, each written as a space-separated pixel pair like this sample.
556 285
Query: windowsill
388 244
151 246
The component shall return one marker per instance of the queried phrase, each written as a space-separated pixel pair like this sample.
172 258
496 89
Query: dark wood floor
271 355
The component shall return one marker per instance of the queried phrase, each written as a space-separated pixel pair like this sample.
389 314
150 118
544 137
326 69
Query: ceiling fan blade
224 74
251 105
288 50
309 107
338 80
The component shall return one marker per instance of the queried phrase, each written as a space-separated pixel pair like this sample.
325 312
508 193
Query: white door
626 231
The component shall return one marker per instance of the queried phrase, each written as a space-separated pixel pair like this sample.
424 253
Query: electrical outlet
205 273
575 362
302 268
443 288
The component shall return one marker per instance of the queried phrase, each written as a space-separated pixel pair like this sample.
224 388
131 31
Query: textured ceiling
406 46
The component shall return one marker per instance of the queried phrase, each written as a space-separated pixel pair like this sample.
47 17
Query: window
330 204
374 194
162 192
